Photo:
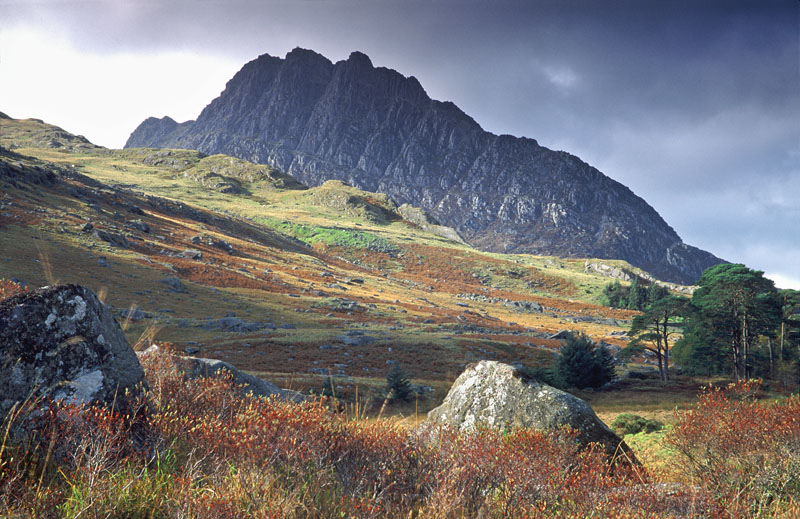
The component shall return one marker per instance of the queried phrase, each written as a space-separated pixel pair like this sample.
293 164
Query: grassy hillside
323 281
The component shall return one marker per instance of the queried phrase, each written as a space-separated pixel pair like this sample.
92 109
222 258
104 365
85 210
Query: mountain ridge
379 130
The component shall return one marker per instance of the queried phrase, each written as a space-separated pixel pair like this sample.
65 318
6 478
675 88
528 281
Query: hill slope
378 130
243 263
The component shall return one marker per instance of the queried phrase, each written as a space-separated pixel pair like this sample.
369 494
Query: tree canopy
738 304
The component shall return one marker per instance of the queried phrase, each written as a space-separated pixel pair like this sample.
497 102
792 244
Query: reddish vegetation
744 452
199 449
10 288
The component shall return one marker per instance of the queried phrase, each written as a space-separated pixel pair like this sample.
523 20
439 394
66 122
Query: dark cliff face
378 130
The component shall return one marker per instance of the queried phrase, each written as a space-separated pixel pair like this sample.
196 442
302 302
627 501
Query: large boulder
196 367
498 396
62 342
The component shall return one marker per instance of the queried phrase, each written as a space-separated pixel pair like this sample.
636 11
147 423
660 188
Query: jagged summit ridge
378 130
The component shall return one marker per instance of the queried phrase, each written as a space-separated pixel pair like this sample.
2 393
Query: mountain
379 131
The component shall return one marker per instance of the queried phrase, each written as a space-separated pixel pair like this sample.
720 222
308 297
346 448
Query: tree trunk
745 348
737 359
665 338
771 358
783 326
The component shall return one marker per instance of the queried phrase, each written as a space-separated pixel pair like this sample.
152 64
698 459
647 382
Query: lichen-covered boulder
62 342
196 367
498 396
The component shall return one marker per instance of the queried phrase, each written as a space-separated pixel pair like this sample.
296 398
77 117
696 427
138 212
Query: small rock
192 254
174 284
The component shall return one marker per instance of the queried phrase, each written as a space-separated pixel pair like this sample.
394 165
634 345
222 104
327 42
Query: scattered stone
234 324
525 306
191 254
113 239
139 225
356 340
561 335
224 245
191 350
421 389
61 341
135 315
174 284
87 227
102 261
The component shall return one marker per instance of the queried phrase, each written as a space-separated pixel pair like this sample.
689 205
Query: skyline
695 107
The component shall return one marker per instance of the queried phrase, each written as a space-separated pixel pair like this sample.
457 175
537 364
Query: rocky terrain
379 131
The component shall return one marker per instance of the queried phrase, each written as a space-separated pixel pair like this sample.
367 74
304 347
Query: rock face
379 131
63 342
195 367
499 396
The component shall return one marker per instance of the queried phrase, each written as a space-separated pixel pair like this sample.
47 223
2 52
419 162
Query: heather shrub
199 449
745 453
10 288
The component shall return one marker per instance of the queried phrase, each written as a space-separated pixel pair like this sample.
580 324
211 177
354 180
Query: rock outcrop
498 396
196 367
62 342
379 131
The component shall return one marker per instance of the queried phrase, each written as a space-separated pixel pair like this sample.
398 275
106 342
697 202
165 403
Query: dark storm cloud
695 105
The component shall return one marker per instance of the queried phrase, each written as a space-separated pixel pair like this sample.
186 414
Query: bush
745 453
581 365
628 423
201 450
10 288
398 386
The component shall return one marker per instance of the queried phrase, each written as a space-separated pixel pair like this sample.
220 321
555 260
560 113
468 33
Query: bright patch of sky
103 96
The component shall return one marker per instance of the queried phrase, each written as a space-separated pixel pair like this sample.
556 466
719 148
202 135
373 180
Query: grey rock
134 315
224 245
102 261
525 306
87 227
115 240
61 341
139 225
561 335
498 396
234 324
356 340
174 284
378 130
192 254
195 367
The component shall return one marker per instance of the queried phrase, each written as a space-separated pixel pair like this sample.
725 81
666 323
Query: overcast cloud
695 105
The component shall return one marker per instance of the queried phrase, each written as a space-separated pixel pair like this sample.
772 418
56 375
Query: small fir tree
582 365
398 385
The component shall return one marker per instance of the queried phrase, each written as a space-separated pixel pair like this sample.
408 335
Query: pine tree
398 385
580 365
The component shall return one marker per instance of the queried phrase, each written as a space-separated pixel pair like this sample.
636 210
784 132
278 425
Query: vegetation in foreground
197 448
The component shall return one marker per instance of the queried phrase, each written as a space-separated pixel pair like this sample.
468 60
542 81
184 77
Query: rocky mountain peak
379 131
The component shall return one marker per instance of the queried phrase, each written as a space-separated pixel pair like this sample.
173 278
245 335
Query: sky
693 104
